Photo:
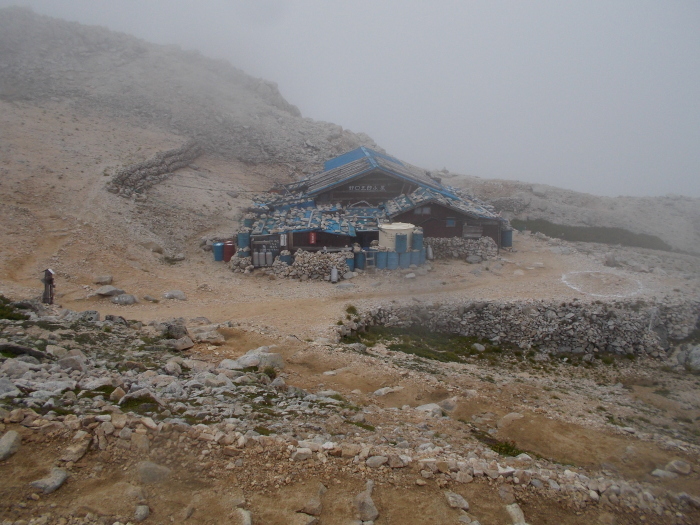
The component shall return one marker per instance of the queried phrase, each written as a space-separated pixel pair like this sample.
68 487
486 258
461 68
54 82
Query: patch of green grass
418 341
365 426
663 392
263 431
270 372
139 406
504 448
351 310
601 234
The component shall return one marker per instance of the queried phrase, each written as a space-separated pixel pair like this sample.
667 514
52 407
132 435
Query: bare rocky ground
239 445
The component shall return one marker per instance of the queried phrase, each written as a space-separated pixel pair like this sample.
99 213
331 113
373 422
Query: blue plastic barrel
350 261
392 260
243 240
360 259
405 259
422 257
415 257
506 238
287 259
417 242
248 223
381 260
218 250
401 242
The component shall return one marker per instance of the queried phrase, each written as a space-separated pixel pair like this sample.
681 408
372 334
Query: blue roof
356 154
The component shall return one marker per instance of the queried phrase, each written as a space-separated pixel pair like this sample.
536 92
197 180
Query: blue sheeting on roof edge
358 153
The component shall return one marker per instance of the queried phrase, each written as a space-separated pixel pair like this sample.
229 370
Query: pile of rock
555 328
474 250
241 264
139 177
311 265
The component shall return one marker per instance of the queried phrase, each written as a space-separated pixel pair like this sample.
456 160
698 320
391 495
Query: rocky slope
183 92
675 219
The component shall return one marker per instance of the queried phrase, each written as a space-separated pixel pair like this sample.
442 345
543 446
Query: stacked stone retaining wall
459 248
578 328
139 177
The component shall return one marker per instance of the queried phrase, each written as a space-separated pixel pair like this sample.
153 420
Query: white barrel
387 234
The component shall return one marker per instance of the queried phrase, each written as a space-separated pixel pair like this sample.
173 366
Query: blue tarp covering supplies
449 198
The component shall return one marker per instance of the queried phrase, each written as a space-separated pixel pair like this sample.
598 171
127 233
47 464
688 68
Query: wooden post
49 287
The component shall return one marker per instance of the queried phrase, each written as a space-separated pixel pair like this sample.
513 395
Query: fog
602 97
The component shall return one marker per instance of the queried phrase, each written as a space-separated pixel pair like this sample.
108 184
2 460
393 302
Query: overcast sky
597 96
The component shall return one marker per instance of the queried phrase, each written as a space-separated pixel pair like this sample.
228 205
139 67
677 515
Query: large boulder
183 343
124 299
175 294
108 291
258 357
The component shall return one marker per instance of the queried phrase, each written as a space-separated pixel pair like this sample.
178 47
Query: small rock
376 461
117 394
244 516
150 472
432 409
109 291
516 514
184 343
364 504
103 280
74 453
175 294
301 454
142 512
9 444
456 501
52 482
124 299
679 467
8 388
72 362
664 474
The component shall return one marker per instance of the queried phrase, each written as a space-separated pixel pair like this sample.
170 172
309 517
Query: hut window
424 210
451 222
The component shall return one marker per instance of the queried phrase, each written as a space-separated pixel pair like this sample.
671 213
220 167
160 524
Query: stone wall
306 265
312 265
139 177
576 327
458 248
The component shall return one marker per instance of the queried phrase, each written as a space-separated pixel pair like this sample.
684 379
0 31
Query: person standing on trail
49 289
